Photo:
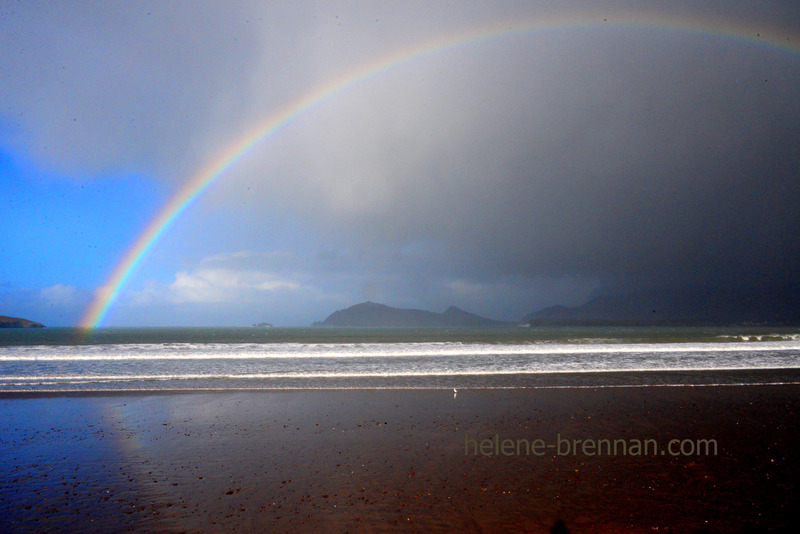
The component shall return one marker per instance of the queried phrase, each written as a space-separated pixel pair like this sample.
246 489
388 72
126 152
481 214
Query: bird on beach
455 392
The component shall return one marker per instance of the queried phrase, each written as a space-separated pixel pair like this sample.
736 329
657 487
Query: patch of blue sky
59 230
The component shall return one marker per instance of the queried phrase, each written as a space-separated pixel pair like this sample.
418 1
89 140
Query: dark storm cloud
659 161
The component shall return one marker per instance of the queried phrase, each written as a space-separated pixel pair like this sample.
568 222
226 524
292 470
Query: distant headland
371 314
666 308
16 322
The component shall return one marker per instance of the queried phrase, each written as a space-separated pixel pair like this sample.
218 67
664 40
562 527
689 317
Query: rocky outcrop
16 322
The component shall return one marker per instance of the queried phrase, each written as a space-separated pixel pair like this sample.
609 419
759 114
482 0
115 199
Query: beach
479 460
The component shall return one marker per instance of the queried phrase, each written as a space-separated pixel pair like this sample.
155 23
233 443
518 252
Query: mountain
664 308
16 322
601 311
371 314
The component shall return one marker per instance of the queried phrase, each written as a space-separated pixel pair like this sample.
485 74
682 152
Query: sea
181 359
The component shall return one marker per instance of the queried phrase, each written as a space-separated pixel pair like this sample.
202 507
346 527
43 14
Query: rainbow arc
215 169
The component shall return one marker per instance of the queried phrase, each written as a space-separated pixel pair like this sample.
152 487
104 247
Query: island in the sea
262 325
371 314
16 322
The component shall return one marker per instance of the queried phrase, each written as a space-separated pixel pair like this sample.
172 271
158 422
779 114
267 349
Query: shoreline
397 460
510 381
51 393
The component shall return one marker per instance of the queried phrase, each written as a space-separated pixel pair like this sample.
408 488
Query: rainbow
205 177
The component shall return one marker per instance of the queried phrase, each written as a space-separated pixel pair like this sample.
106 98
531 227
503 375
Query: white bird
455 392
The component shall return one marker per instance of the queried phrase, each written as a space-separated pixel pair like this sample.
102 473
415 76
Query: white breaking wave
762 337
224 351
271 365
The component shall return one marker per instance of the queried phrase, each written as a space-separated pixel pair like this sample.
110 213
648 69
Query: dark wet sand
392 460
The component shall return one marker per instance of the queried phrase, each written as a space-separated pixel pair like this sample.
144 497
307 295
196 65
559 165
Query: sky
593 148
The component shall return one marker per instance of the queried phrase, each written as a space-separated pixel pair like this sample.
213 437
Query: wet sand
402 460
